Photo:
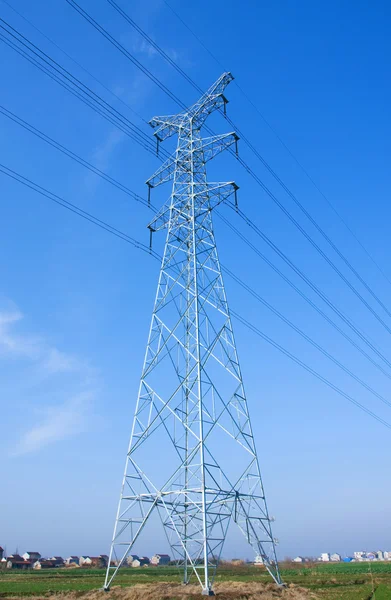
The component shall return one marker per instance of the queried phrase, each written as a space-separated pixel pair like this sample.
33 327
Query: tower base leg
208 592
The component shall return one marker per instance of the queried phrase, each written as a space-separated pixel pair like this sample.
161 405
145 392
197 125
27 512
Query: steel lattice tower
192 458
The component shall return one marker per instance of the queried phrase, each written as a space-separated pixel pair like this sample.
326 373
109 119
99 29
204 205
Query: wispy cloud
102 153
77 393
57 423
14 344
145 48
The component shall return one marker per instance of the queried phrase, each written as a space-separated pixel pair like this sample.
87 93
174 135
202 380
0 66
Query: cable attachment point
151 231
236 187
225 102
158 140
149 192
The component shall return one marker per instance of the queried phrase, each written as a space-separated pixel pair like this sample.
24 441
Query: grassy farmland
326 582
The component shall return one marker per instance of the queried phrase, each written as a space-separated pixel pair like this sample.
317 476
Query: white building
379 555
85 561
131 559
298 559
325 557
33 556
387 555
160 559
335 557
359 556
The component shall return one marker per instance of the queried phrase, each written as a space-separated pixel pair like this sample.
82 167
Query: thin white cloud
145 48
59 362
76 392
14 344
102 153
57 423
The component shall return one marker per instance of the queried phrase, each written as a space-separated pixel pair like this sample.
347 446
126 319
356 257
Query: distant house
144 560
325 557
104 559
59 560
33 556
85 561
335 557
359 556
379 555
44 563
371 555
387 555
258 560
72 560
298 559
160 559
131 558
136 563
99 562
15 561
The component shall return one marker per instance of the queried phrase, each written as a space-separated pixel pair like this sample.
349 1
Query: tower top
213 99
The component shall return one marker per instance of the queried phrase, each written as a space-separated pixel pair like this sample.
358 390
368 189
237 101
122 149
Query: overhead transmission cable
62 76
75 209
49 140
57 63
319 293
119 46
41 135
83 99
303 295
75 61
302 364
289 151
306 337
125 237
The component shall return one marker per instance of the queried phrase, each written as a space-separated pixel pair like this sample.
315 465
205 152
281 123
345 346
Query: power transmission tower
192 460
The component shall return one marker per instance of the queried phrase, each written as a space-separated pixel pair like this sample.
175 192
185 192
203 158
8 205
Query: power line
75 209
62 76
138 198
124 51
308 368
313 243
267 123
75 61
90 165
43 136
281 254
125 237
249 170
316 225
306 337
122 187
302 294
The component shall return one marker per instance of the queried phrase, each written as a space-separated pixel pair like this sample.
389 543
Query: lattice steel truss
192 458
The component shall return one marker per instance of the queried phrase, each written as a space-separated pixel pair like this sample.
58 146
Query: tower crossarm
167 126
209 196
210 146
213 99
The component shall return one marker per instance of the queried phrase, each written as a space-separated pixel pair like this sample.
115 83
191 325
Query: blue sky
75 302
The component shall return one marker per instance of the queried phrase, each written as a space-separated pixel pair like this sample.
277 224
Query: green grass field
328 582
